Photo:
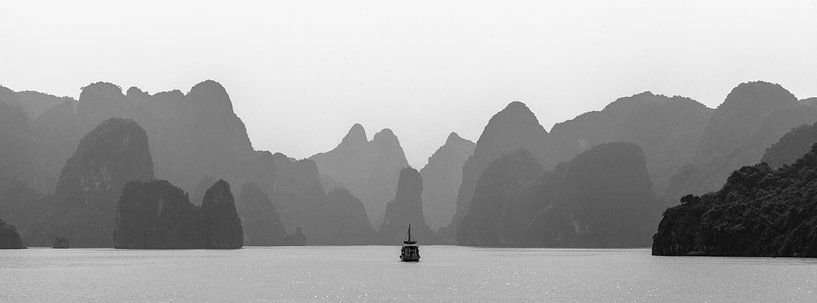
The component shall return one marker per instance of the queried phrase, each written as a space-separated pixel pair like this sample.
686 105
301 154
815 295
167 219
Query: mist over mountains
600 179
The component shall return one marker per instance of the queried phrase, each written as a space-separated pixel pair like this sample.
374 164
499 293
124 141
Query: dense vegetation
759 212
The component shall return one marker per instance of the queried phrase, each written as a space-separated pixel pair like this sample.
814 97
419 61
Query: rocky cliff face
112 154
345 221
758 212
500 211
191 135
739 115
197 193
406 208
368 169
156 214
262 223
666 128
601 198
604 198
18 150
752 118
792 146
509 130
297 194
442 176
220 218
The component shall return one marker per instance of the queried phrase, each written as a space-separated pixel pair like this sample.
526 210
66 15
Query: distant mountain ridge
666 128
442 176
601 198
510 129
368 169
753 117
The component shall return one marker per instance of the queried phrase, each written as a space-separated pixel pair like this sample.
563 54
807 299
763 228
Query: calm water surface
373 273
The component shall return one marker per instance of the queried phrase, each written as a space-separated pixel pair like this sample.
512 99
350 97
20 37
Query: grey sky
300 73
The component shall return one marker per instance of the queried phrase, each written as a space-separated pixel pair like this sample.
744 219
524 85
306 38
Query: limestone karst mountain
601 198
191 135
442 176
345 221
19 153
35 103
220 221
760 211
262 223
739 115
406 209
84 203
297 194
604 199
197 193
753 117
155 214
320 218
512 128
368 169
500 211
792 146
666 128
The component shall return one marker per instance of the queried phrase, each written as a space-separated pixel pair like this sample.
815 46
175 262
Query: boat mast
409 234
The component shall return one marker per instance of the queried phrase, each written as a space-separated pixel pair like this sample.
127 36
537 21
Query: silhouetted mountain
601 198
406 208
112 154
758 212
345 221
197 193
509 130
500 211
262 224
297 194
442 176
792 146
663 127
9 238
35 103
739 115
220 218
604 198
368 169
57 132
18 149
191 135
753 117
155 214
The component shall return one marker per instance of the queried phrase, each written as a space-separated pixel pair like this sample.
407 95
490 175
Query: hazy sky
300 73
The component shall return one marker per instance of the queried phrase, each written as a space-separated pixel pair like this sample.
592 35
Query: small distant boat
60 243
410 252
